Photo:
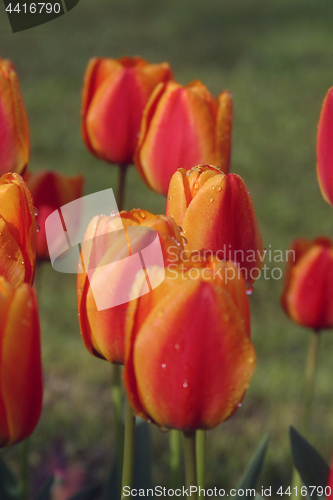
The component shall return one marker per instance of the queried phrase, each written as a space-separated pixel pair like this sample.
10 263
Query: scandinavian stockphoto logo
26 14
130 254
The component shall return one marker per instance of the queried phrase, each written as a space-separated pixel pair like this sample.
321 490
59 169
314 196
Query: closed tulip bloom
108 273
21 390
325 148
182 127
216 213
51 190
308 290
189 357
17 231
115 93
14 127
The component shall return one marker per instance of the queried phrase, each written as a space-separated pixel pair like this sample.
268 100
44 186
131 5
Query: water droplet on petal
185 384
196 185
177 346
37 228
188 173
163 366
184 241
265 250
35 211
170 198
211 200
143 215
218 188
113 213
239 405
180 229
249 289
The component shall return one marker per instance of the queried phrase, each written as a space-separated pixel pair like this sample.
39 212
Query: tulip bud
115 93
17 231
182 127
189 358
21 391
308 291
50 191
325 148
114 251
14 127
216 213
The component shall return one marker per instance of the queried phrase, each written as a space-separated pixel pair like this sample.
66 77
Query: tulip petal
203 376
325 148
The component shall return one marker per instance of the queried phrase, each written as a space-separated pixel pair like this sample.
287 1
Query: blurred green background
277 60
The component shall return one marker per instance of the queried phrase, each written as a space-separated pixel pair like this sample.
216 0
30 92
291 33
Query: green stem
308 393
116 394
190 462
24 467
201 458
175 458
309 381
122 169
129 448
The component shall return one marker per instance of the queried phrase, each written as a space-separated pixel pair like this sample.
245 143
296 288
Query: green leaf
252 472
8 483
44 493
312 468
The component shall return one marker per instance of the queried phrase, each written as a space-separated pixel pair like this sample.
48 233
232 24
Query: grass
276 59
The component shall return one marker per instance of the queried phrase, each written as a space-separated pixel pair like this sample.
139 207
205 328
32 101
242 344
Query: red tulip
216 213
115 93
21 389
189 358
182 127
17 231
325 148
14 127
308 291
51 190
105 291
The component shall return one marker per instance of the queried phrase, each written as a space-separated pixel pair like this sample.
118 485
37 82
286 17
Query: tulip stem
122 169
116 393
309 381
201 458
190 463
24 467
175 458
129 448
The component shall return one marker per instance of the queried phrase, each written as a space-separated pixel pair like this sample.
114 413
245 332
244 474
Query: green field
277 60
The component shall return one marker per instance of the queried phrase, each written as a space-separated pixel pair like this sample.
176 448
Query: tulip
308 290
104 291
216 213
21 382
115 93
14 127
182 127
189 358
325 148
50 191
17 231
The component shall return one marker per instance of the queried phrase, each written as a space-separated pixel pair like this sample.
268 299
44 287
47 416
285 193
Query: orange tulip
182 127
17 231
325 148
189 358
14 127
51 190
21 391
104 291
216 213
308 291
115 93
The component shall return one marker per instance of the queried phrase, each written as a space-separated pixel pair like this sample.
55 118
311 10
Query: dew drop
265 250
185 384
177 346
184 232
22 262
180 229
231 387
188 173
37 228
251 361
249 289
114 213
184 241
143 215
239 405
196 185
170 198
211 200
172 216
218 188
35 211
163 366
